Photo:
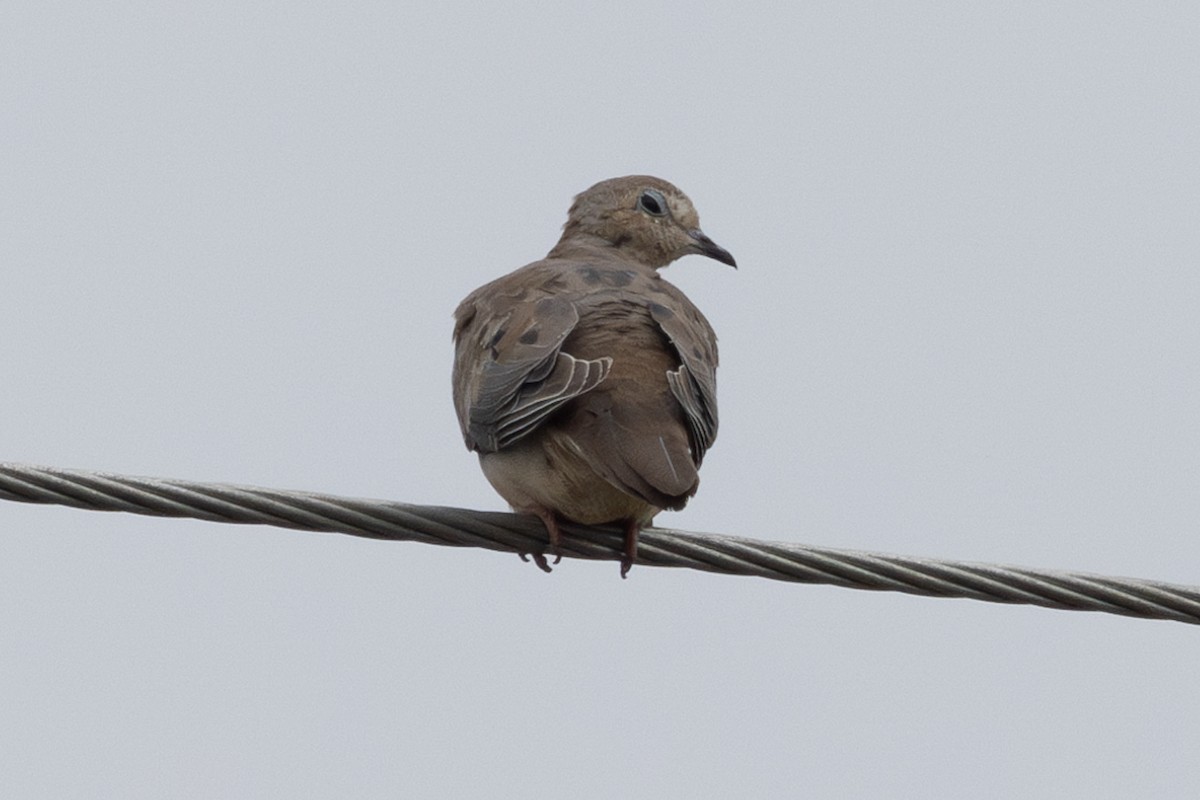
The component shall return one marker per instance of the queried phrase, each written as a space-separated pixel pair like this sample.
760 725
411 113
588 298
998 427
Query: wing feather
510 373
694 383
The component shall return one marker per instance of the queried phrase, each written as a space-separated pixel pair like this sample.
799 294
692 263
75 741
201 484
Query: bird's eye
653 203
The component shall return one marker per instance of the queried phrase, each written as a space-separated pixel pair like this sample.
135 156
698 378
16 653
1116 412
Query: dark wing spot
496 339
529 337
609 277
659 311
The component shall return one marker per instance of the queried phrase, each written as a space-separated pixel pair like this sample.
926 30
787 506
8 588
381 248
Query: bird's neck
580 246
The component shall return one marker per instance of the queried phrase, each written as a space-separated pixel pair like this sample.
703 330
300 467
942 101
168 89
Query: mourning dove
586 382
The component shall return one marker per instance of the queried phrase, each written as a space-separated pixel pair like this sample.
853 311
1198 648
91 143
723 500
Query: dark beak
707 247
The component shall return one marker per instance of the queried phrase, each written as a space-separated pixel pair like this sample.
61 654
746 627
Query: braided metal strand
379 519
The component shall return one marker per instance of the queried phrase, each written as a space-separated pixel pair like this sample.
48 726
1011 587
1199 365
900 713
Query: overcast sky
964 326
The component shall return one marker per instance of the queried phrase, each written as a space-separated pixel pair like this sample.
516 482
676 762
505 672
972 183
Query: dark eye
652 203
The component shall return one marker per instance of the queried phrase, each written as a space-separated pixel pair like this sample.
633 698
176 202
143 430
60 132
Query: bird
586 382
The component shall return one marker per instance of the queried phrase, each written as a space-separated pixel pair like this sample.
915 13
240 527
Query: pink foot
632 527
539 559
548 519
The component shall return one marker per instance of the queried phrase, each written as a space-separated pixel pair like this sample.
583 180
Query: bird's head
646 219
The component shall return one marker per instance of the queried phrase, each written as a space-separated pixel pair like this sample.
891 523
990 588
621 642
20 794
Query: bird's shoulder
575 280
556 294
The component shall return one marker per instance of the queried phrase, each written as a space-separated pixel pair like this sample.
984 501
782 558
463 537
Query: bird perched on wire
585 381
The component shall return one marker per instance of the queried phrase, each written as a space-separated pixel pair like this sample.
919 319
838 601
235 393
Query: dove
586 382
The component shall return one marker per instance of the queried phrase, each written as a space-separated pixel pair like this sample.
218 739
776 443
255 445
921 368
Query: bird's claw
540 560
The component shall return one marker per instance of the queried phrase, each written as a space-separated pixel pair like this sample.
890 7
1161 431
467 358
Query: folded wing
510 373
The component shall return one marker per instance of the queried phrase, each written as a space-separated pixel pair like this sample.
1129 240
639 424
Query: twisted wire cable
379 519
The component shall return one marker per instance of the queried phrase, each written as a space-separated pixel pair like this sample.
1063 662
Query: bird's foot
548 519
540 560
632 527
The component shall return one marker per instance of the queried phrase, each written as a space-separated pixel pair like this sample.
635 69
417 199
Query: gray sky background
965 326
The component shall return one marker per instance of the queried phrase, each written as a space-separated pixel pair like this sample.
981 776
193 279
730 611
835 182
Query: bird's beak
702 245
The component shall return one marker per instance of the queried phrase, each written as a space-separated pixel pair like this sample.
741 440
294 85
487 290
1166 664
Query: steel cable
379 519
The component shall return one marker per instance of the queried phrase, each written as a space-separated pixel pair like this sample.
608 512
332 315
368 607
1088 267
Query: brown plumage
586 382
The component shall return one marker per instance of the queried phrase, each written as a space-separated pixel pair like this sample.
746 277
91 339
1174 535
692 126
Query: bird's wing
694 383
510 373
646 430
